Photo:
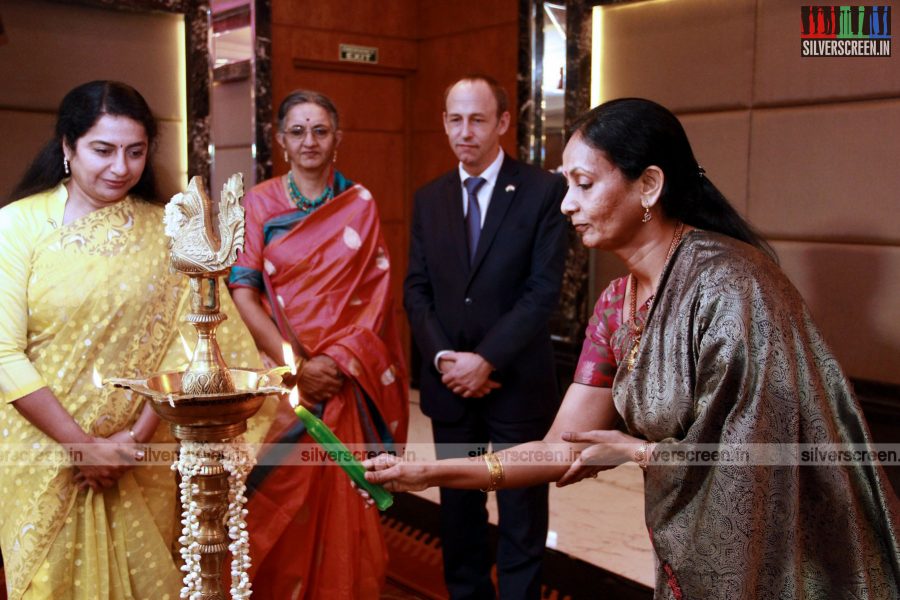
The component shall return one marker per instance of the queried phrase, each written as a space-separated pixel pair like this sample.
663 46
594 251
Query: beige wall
53 47
806 148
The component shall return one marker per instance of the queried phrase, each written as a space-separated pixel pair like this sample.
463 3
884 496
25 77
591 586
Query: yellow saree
100 297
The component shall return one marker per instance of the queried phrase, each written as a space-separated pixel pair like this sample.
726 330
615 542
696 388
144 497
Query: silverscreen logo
845 31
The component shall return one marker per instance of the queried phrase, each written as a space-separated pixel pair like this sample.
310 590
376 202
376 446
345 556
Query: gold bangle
495 471
642 455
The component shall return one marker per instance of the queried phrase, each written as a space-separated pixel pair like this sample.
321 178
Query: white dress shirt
484 200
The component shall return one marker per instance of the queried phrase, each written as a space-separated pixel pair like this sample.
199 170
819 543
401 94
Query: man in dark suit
487 253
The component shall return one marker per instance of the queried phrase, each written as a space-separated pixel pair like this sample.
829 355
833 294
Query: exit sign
361 54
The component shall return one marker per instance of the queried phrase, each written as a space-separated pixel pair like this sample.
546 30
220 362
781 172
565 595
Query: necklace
304 203
638 328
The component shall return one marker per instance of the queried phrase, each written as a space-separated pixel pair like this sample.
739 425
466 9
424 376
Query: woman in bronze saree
706 343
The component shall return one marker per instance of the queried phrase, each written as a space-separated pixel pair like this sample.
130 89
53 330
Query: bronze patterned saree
730 356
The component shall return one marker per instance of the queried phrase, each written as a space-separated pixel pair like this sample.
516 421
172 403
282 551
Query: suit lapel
501 199
455 219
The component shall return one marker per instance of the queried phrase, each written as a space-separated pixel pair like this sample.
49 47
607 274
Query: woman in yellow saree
87 293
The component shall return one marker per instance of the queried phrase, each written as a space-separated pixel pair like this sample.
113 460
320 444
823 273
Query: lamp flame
97 379
288 354
294 397
187 348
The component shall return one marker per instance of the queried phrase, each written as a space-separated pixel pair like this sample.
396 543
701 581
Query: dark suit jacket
500 306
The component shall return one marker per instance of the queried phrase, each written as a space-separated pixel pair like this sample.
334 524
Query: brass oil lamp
207 405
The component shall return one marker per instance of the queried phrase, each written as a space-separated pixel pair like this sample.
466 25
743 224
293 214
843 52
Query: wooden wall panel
389 18
374 159
433 156
372 151
487 51
324 46
446 17
371 102
482 50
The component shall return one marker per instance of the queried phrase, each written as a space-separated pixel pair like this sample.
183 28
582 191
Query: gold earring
286 159
647 216
66 166
334 158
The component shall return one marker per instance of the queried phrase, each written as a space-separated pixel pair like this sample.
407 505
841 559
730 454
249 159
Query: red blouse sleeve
597 364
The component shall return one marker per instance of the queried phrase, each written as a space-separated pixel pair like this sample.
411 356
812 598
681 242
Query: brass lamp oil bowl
206 417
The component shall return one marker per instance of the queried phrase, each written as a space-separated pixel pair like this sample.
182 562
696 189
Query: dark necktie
473 213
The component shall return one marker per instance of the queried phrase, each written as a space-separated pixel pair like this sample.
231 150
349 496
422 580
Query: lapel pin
510 188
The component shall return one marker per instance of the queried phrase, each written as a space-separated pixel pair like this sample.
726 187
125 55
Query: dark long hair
634 134
80 110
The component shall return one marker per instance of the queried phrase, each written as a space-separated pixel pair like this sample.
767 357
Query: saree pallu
329 279
730 355
101 298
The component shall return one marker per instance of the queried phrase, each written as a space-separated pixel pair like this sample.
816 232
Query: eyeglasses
319 132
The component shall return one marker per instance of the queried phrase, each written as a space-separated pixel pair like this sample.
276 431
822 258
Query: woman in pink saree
315 273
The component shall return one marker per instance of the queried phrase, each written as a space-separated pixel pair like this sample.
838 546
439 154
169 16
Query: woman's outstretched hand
395 474
608 448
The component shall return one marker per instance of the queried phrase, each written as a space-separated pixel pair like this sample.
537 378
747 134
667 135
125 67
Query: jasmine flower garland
237 460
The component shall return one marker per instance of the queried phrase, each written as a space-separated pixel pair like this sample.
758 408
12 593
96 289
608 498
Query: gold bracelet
642 455
495 471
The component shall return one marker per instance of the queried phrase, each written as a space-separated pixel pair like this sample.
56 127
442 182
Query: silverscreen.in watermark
312 454
845 31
